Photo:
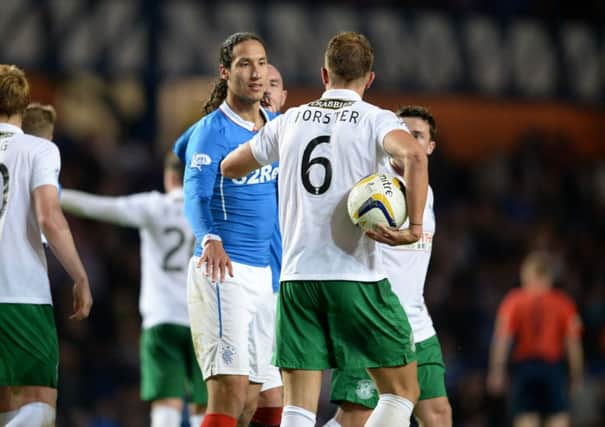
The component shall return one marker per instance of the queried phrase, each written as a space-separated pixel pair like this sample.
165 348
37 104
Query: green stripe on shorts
29 349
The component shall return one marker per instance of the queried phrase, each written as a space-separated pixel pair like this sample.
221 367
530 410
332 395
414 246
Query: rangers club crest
228 353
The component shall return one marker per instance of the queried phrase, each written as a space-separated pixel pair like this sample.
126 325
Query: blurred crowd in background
539 192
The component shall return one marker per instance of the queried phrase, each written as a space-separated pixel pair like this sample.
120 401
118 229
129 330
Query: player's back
539 322
325 147
26 162
166 247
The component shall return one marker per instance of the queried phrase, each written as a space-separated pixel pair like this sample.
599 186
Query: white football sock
391 411
5 417
165 416
36 414
293 416
332 423
196 420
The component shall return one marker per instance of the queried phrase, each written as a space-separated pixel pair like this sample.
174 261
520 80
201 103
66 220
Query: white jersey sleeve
132 211
265 144
385 122
46 164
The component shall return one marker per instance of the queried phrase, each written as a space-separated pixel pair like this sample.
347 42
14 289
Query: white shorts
268 321
227 321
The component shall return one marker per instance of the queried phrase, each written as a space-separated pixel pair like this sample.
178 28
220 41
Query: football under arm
56 229
409 155
240 162
115 210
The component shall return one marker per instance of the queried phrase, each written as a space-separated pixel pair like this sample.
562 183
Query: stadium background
517 88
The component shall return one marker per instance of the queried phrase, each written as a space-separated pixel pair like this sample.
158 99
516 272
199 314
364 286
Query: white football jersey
324 148
406 267
166 246
26 162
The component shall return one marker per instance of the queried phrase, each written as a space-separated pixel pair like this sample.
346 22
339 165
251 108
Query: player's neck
249 111
15 119
537 286
354 87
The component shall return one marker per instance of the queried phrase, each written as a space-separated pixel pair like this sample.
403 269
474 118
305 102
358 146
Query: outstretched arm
261 150
240 162
128 210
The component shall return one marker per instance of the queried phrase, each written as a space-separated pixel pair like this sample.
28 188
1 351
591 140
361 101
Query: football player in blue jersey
229 279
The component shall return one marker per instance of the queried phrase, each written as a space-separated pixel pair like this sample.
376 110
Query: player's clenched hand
393 236
82 300
216 260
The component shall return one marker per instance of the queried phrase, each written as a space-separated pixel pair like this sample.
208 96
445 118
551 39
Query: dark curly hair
421 113
219 92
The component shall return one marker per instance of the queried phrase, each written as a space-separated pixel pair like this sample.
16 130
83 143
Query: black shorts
540 387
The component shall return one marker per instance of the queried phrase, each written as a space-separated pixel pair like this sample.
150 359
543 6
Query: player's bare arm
575 355
240 162
55 228
496 377
410 157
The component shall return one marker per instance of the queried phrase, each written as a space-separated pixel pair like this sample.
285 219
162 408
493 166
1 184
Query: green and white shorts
168 365
356 386
341 324
29 349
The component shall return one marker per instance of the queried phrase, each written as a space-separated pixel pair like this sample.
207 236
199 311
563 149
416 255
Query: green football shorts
356 386
341 324
168 365
29 349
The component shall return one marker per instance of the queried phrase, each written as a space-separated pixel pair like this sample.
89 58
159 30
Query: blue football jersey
275 257
243 212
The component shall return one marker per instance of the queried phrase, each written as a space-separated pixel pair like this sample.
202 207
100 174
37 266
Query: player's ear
324 76
430 147
284 97
223 72
371 78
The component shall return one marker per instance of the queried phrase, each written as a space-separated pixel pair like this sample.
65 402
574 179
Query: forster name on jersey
311 114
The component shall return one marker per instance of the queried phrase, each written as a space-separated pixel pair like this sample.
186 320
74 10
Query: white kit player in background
29 205
166 246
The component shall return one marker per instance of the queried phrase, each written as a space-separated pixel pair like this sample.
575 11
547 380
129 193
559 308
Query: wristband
209 237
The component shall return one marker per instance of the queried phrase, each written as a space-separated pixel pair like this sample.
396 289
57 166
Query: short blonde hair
541 264
349 56
14 90
39 119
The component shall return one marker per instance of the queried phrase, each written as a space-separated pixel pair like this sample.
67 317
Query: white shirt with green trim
26 163
406 267
324 148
